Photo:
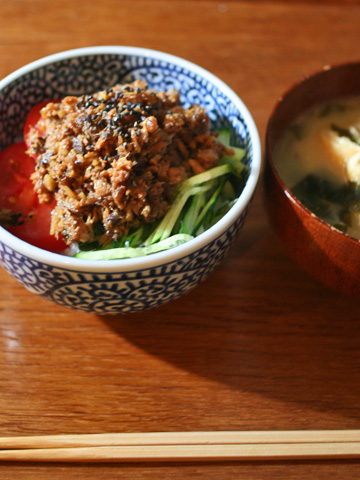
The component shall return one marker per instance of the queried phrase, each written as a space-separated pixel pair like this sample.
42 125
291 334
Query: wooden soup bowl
330 256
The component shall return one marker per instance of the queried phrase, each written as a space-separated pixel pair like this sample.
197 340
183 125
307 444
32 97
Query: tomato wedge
34 117
17 195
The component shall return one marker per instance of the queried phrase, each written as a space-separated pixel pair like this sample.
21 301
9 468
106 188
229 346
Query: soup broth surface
318 158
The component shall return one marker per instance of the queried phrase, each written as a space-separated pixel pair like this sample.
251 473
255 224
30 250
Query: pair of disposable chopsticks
183 446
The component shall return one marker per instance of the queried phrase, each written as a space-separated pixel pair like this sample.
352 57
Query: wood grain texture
259 345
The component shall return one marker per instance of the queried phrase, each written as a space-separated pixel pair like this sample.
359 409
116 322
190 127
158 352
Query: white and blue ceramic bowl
131 285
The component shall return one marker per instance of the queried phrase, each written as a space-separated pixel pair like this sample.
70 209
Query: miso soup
318 158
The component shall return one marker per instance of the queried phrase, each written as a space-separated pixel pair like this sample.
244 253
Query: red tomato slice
17 194
16 168
34 117
36 228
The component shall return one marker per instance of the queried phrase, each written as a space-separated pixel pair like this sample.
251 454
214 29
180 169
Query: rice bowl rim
175 253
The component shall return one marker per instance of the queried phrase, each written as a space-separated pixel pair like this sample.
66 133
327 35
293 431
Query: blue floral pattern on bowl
111 293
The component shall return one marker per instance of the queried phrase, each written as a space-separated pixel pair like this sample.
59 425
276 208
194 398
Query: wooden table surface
257 346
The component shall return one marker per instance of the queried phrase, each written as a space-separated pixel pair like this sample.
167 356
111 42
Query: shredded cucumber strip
224 136
206 176
209 205
189 187
136 237
236 160
189 221
131 252
236 163
166 226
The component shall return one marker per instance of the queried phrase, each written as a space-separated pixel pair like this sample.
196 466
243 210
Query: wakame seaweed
329 201
345 132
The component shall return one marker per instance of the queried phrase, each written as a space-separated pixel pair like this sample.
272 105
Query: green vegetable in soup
331 202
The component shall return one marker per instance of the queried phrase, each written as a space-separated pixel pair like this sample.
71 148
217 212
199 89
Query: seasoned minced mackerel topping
111 159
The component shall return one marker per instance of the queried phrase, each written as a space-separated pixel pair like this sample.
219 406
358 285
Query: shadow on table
280 334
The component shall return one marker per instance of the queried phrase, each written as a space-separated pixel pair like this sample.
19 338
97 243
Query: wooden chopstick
183 446
180 438
190 453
